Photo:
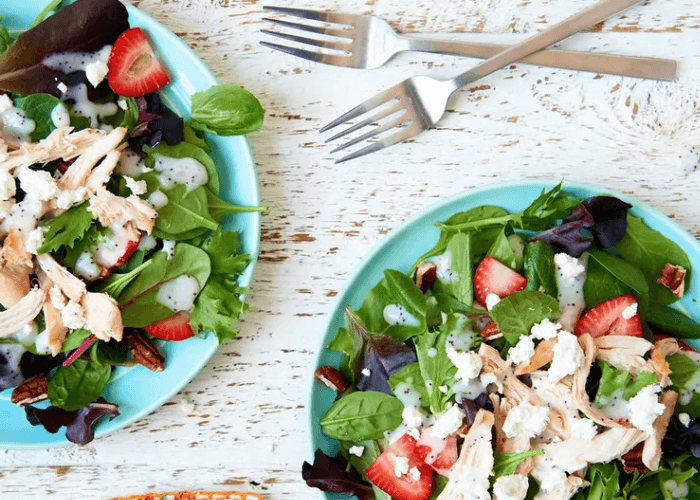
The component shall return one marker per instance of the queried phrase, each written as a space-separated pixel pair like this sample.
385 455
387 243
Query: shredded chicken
110 208
71 286
79 171
544 353
20 314
624 352
15 269
102 172
651 453
102 316
662 348
505 444
570 487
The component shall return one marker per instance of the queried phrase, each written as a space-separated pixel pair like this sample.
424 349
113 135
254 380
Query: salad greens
430 337
165 166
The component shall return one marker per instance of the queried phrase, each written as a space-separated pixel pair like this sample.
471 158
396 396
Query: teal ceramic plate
137 391
406 243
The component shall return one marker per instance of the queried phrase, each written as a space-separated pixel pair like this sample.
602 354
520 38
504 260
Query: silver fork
418 103
367 42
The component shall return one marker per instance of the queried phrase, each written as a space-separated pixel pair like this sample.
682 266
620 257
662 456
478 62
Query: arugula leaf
70 255
66 228
604 482
218 306
613 379
436 367
362 415
226 110
516 314
78 384
504 464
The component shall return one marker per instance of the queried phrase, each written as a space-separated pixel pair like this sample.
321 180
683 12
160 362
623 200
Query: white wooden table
248 428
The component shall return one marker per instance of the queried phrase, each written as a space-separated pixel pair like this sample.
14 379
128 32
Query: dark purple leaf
34 364
472 406
156 122
383 356
680 439
331 474
84 26
610 215
566 237
80 431
52 418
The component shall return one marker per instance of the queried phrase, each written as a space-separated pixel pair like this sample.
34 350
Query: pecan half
332 377
673 278
30 391
144 352
425 275
632 460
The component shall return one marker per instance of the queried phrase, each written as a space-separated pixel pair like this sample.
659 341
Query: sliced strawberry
133 68
491 276
382 472
439 453
176 327
606 319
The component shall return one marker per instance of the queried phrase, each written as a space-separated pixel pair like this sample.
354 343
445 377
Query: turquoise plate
138 391
407 242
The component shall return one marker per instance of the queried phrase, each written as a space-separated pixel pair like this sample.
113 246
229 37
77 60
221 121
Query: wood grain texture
246 427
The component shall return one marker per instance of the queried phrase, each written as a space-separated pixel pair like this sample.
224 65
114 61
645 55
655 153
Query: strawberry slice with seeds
176 327
388 477
492 276
133 68
616 316
439 453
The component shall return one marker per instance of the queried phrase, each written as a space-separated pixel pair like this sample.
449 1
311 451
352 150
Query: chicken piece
102 172
72 287
60 143
651 453
578 389
493 363
21 313
15 269
79 171
544 353
505 444
102 316
662 348
624 352
570 487
558 398
469 477
55 331
110 208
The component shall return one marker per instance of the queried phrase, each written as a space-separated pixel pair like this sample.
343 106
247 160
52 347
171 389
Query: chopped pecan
673 278
425 275
144 352
332 377
632 460
30 391
490 331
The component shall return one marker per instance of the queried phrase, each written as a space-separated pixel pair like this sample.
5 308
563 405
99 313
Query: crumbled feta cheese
526 419
136 187
684 419
491 300
8 187
73 315
415 473
356 450
96 71
523 350
413 417
366 372
414 433
35 239
443 389
448 422
569 267
62 87
86 267
58 300
5 103
38 184
645 407
70 197
513 487
122 104
567 356
545 330
468 364
401 466
583 428
630 311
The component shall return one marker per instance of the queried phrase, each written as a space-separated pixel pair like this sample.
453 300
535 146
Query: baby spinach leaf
539 268
219 208
184 236
601 285
186 211
362 415
395 288
461 287
74 339
410 376
516 314
83 26
683 369
185 150
627 273
673 322
65 229
502 251
226 110
78 384
649 250
504 464
38 107
194 137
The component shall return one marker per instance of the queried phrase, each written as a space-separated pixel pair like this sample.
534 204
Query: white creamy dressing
59 116
85 107
168 248
41 343
570 276
692 387
158 199
444 269
113 247
462 337
86 267
23 216
131 164
615 406
68 62
396 314
187 171
27 334
148 242
178 294
15 123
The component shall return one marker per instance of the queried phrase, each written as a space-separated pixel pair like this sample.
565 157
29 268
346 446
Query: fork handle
637 67
584 19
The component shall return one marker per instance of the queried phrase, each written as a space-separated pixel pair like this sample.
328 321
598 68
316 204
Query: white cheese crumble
677 490
526 419
73 315
401 466
583 428
513 487
70 197
136 187
568 266
7 185
645 407
630 311
122 104
468 364
5 103
448 422
366 372
35 239
62 87
545 330
684 419
96 72
522 351
38 184
413 417
415 473
356 450
491 300
567 357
